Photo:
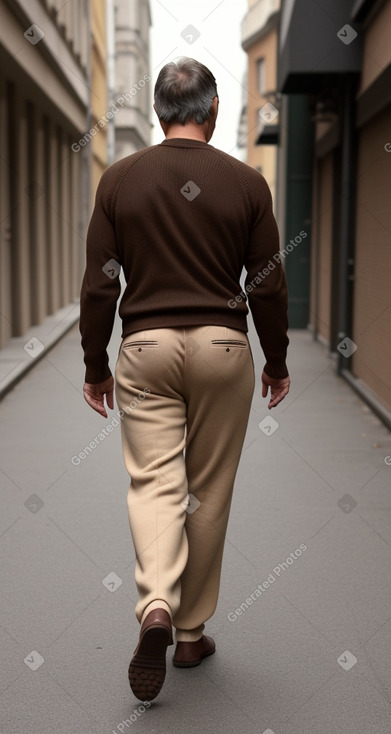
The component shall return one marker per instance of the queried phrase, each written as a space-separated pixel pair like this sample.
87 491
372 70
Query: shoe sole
191 663
147 669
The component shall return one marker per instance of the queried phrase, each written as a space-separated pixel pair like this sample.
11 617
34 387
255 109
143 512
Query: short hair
184 91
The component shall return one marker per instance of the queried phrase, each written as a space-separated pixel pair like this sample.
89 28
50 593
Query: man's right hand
278 388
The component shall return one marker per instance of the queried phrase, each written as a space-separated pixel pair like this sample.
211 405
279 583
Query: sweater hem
232 321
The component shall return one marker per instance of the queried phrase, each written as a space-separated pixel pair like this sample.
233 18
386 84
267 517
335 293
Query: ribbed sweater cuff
276 370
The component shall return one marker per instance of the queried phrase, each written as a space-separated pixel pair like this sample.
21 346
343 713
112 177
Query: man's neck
189 131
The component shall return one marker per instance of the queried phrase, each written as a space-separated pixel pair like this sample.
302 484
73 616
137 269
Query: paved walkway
303 624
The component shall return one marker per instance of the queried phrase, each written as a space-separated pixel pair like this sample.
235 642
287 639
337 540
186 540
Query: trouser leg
219 389
153 439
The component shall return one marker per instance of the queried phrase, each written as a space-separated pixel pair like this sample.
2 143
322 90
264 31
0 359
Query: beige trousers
186 395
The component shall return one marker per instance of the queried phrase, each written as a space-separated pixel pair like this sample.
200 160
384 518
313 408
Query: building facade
44 103
338 88
73 77
259 40
265 135
132 78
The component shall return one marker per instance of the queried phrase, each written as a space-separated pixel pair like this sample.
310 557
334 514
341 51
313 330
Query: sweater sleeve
100 288
266 284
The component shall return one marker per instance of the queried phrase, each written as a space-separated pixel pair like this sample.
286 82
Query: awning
317 41
269 135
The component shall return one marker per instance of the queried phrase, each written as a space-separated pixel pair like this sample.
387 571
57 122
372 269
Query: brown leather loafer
147 669
189 654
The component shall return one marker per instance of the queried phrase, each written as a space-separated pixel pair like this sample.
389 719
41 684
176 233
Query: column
41 296
75 218
53 196
65 221
5 256
20 222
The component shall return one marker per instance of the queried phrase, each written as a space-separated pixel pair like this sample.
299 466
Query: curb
48 334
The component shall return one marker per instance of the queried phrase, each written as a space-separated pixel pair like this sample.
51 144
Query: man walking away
181 218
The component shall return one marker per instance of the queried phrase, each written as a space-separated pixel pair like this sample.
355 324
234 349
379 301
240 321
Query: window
261 75
260 122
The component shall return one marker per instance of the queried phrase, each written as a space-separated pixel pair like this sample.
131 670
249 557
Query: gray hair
184 91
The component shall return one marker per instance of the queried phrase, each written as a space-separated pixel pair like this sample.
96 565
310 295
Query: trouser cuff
189 635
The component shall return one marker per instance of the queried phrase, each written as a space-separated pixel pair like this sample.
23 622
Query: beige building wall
261 157
259 40
46 72
99 93
372 289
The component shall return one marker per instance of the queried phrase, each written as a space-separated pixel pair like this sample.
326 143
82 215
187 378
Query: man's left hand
94 395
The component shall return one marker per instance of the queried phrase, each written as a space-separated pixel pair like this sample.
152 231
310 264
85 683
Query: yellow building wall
99 98
261 156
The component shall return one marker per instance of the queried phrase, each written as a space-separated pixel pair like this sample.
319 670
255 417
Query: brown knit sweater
182 218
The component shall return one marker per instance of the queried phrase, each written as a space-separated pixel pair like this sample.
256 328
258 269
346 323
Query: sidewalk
303 624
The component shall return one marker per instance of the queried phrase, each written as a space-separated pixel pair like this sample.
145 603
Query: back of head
184 92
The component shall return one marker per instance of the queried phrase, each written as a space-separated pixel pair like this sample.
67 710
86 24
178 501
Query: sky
215 42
